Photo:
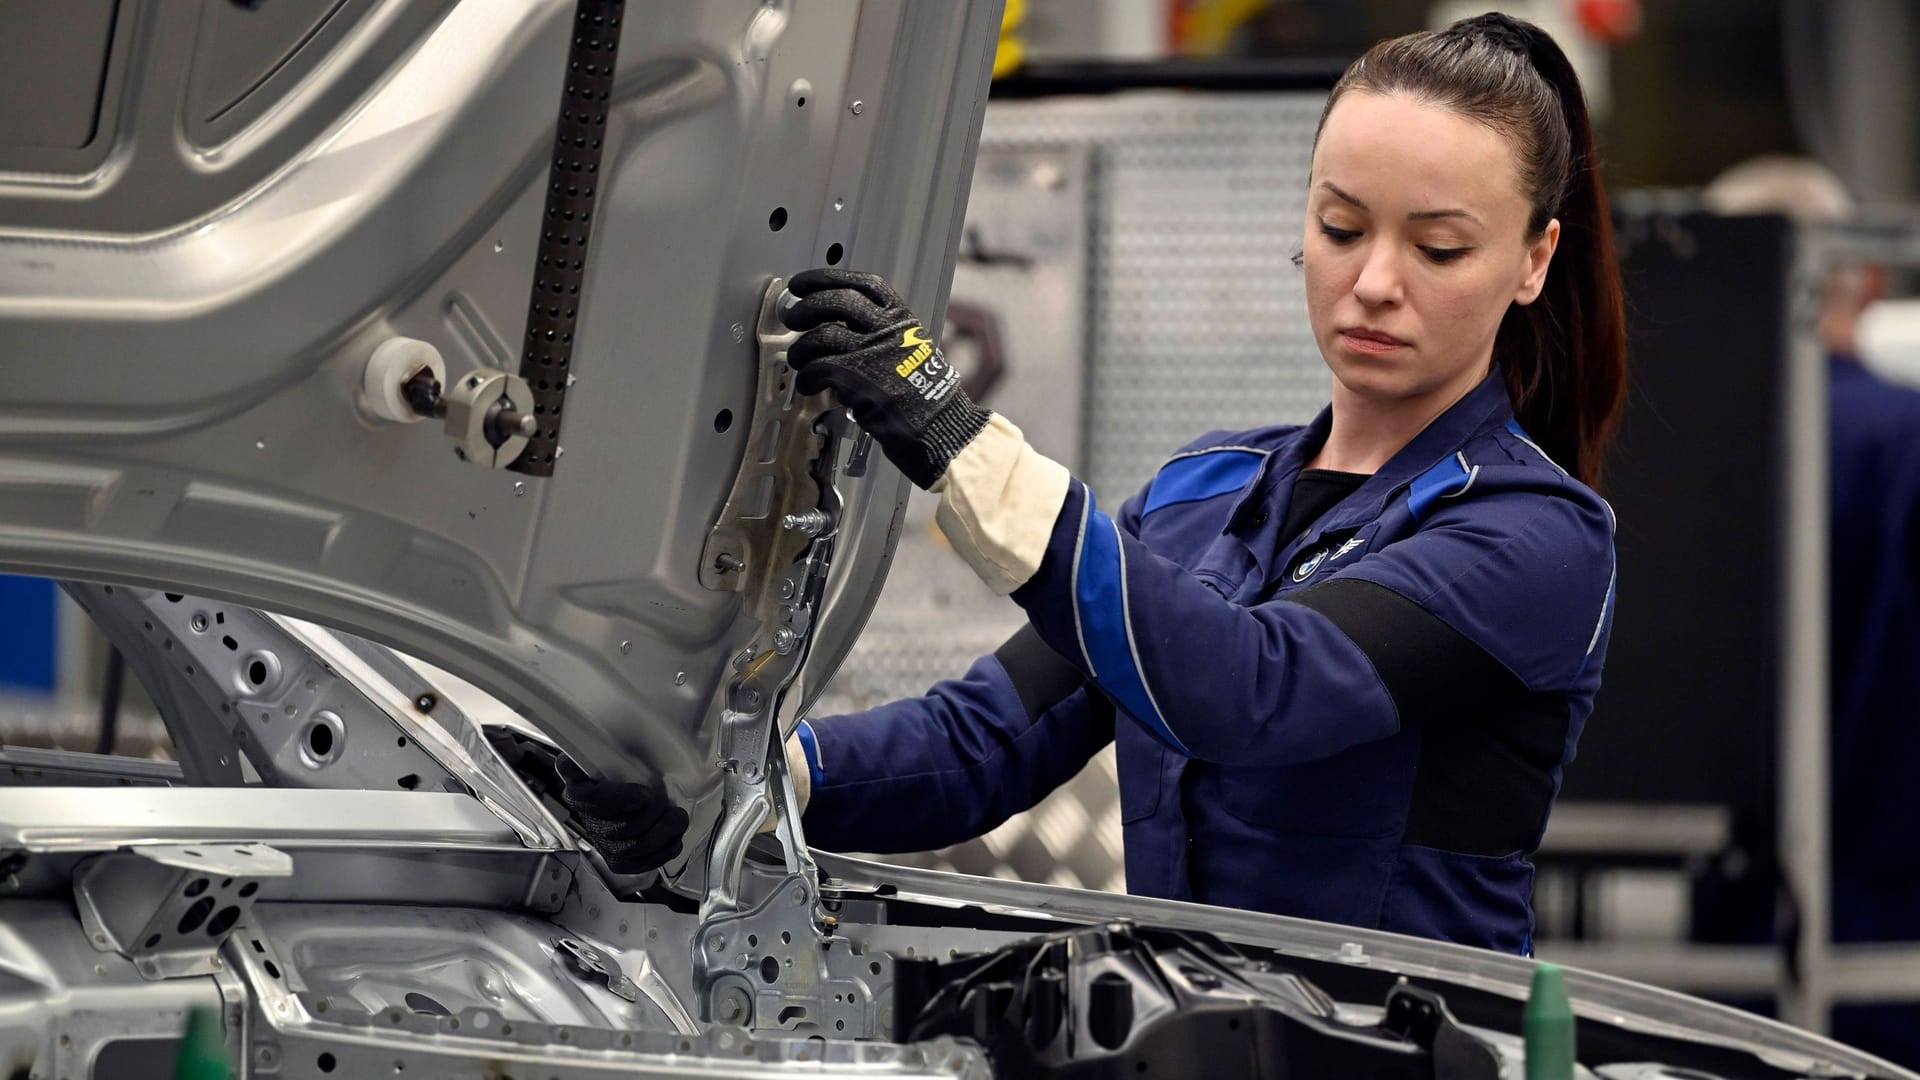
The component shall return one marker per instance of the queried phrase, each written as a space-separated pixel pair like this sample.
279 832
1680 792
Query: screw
788 588
626 647
199 622
716 942
806 523
856 107
679 678
520 486
425 702
746 657
751 699
784 640
739 331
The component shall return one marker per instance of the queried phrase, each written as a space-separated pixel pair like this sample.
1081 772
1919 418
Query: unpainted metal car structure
329 363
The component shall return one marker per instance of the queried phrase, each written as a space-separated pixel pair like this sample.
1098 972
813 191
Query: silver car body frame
194 276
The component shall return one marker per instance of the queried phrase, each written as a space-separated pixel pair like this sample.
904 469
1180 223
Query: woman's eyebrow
1429 215
1418 215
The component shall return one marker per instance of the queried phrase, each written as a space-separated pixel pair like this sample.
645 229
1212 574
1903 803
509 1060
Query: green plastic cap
1548 1026
203 1051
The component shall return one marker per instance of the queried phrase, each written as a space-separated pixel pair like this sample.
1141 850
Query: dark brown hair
1565 354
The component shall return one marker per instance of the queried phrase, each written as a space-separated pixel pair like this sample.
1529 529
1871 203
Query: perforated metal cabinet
1137 251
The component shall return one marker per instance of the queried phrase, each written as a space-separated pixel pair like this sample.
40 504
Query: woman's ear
1539 257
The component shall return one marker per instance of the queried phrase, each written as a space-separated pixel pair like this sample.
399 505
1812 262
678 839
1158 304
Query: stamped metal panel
177 396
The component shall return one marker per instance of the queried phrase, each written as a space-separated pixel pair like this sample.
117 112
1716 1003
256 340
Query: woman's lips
1371 341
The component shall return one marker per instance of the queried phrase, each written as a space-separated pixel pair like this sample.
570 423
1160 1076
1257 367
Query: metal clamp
490 417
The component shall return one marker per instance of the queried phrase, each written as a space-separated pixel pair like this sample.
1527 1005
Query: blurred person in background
1874 602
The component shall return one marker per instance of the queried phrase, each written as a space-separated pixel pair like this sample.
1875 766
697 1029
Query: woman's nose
1379 281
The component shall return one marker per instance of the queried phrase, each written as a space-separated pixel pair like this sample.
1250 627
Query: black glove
862 343
633 826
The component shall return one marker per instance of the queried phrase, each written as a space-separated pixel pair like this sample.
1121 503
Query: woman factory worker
1344 663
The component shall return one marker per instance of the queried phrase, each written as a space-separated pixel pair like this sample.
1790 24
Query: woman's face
1416 243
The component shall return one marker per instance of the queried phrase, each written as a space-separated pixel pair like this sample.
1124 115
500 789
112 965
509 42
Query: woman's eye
1444 255
1338 236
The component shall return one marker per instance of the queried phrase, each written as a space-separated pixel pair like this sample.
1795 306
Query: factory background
1125 283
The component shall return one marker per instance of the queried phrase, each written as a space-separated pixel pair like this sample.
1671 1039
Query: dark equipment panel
1688 709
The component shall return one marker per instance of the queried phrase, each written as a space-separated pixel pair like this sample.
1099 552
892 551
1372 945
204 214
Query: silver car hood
192 282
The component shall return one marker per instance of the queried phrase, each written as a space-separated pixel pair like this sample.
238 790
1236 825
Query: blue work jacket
1364 724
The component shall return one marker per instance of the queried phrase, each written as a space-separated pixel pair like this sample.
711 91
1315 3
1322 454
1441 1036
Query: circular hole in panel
249 889
723 420
320 740
421 1003
834 254
325 1062
799 103
786 938
778 219
272 971
195 915
152 941
769 969
874 967
196 887
227 883
258 674
223 922
753 941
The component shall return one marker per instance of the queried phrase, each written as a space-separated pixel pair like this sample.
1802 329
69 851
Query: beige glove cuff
802 784
998 501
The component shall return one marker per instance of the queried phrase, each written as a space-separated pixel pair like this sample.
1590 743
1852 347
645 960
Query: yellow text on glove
919 349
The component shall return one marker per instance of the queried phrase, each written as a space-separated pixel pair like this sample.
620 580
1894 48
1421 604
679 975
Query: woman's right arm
935 770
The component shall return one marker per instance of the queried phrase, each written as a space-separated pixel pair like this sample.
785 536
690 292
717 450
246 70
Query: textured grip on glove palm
860 341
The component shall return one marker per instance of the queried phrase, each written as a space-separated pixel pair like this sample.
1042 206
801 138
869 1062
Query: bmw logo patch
1308 565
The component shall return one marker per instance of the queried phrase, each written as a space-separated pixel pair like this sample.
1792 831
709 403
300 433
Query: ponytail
1564 355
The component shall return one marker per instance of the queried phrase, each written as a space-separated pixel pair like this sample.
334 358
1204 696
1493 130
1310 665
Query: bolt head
626 647
856 107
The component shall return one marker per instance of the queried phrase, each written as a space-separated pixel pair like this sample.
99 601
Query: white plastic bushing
394 361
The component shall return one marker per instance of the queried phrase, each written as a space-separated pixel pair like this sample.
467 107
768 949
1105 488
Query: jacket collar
1486 404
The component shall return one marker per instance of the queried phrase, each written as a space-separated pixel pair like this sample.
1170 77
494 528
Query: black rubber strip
554 308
